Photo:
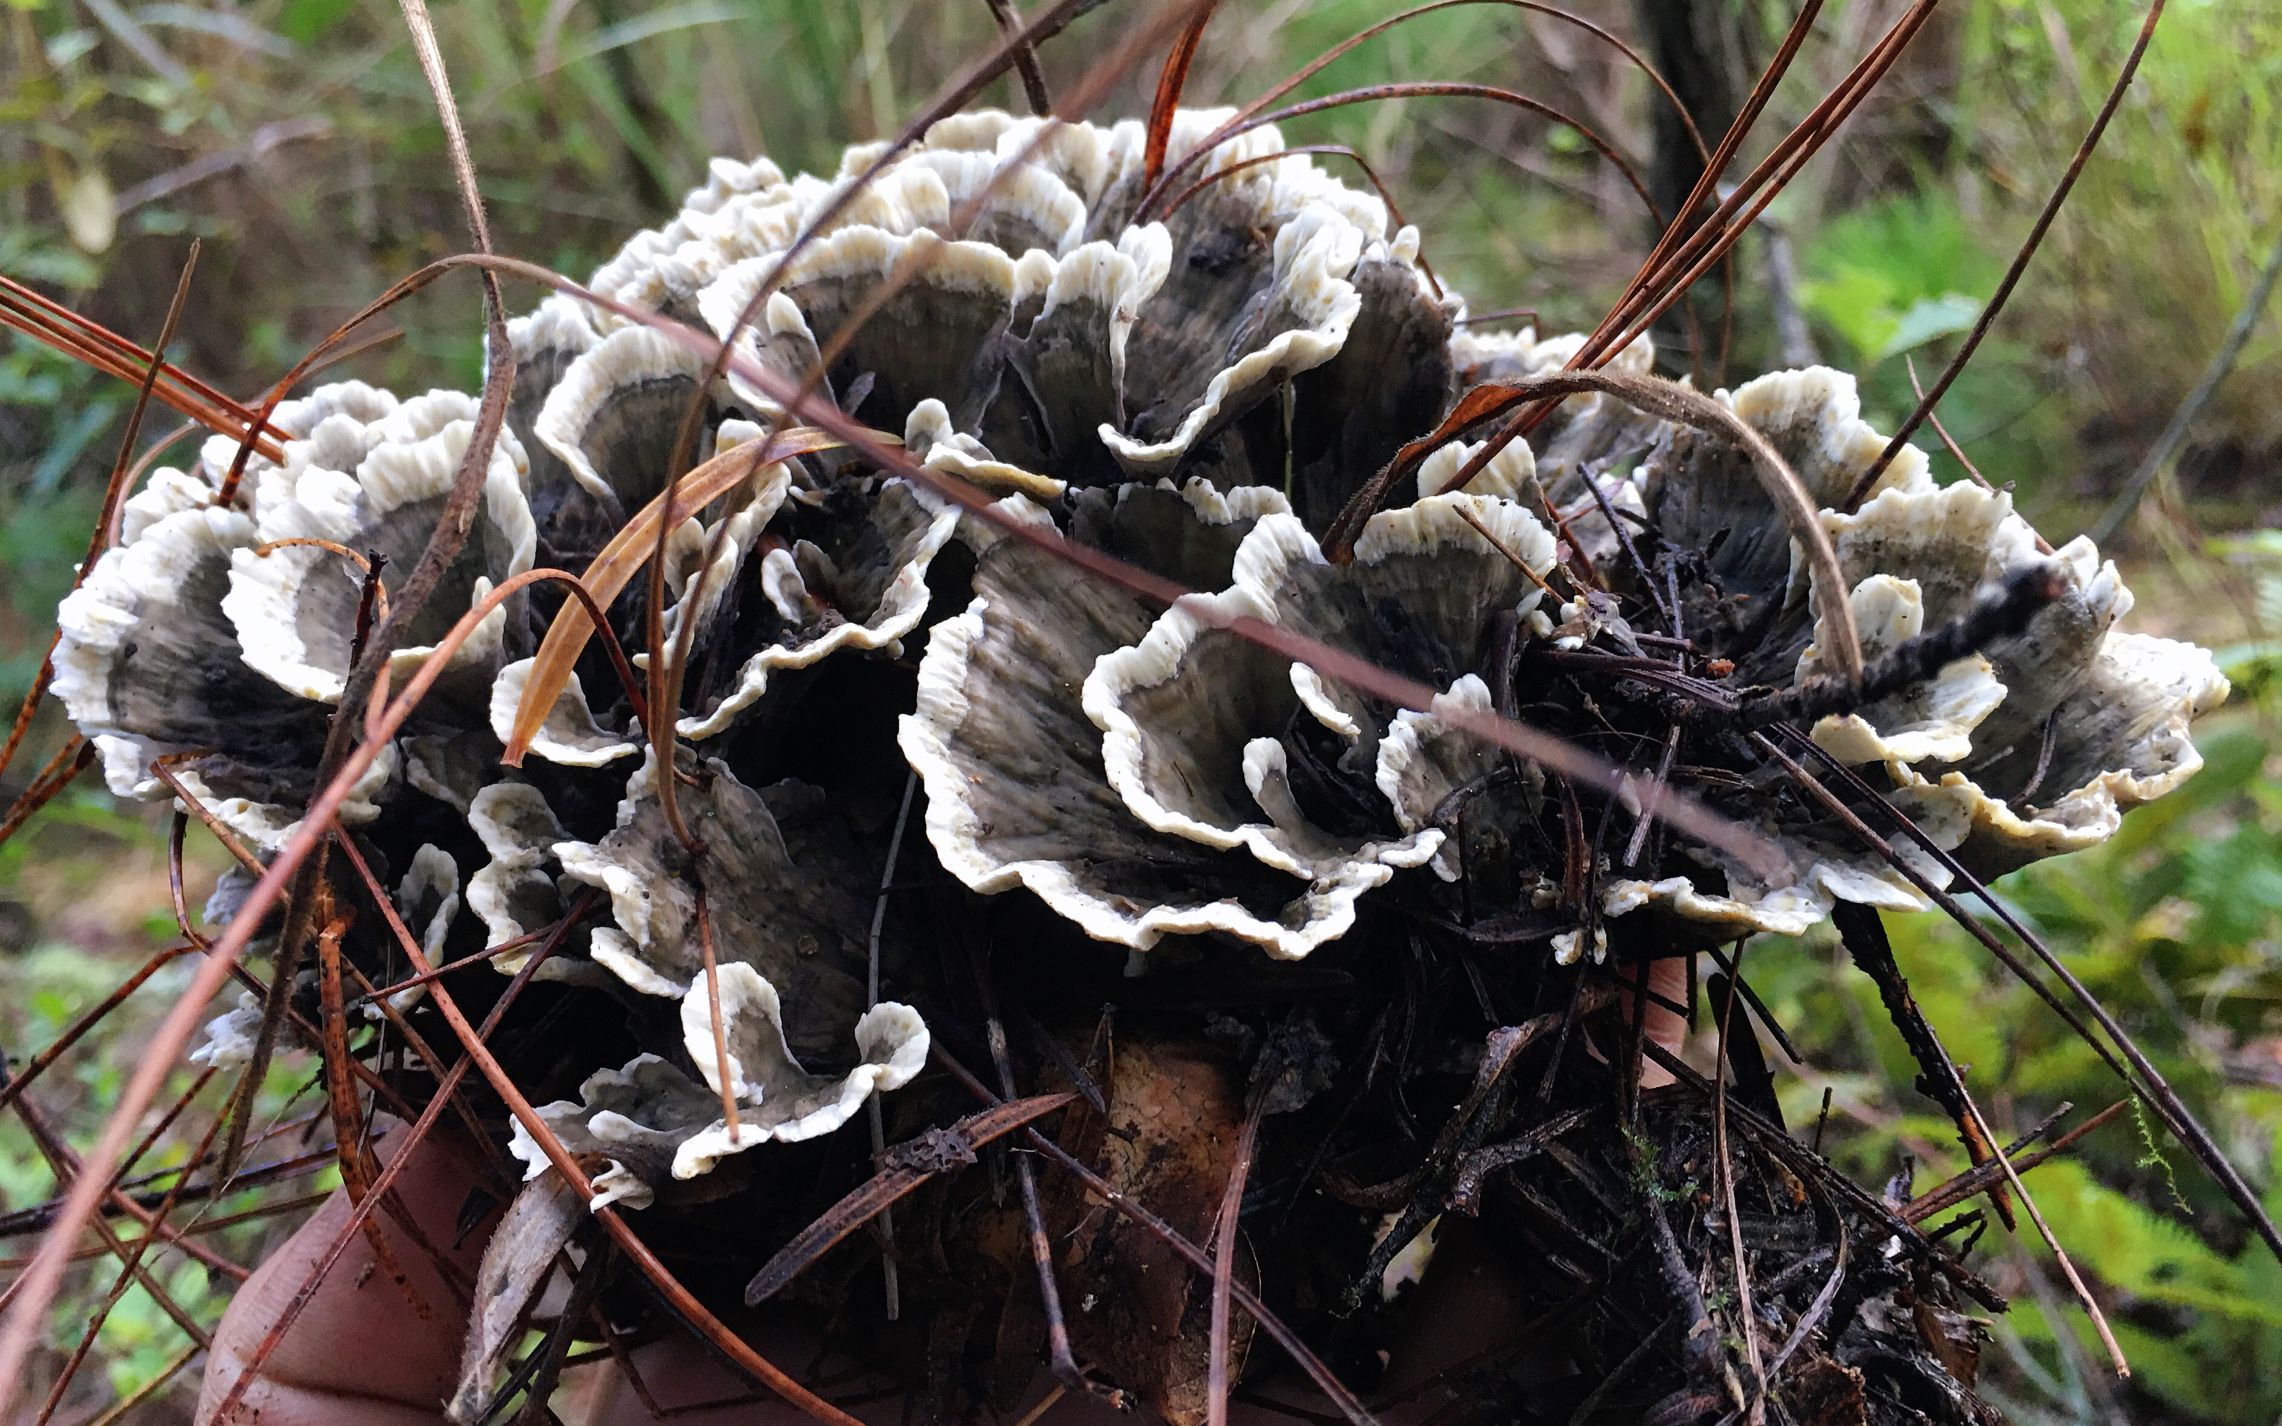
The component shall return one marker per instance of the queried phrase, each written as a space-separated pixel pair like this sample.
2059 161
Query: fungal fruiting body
1196 391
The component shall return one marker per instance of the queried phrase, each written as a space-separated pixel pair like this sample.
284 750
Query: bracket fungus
1197 394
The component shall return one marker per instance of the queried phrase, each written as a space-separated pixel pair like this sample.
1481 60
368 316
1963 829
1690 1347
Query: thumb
366 1349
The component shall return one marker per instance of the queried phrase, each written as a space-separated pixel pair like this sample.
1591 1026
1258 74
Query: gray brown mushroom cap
802 926
377 490
654 1125
1195 716
1956 747
1017 791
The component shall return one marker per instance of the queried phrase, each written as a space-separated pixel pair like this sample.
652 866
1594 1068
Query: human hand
359 1353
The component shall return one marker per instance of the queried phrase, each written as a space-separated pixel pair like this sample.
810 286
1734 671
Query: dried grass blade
1226 1228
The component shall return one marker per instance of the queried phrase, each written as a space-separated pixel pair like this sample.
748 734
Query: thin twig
1025 57
2059 1254
874 1113
1226 1229
1724 1166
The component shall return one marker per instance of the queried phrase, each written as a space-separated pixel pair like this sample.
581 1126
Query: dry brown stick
55 325
1165 107
1025 56
1687 261
2151 1087
1917 389
1980 1177
1715 163
1863 935
355 1155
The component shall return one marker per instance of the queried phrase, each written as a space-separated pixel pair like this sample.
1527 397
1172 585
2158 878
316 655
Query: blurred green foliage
297 140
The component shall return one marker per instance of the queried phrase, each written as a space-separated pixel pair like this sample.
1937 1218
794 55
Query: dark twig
2149 1084
1060 1359
1982 1176
1998 611
1025 56
1723 1161
1864 937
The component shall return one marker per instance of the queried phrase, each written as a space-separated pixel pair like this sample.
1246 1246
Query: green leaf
1929 319
303 21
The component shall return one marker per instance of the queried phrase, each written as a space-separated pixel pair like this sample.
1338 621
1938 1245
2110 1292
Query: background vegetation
296 139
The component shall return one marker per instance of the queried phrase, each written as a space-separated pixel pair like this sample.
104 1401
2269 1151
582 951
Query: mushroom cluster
1195 388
